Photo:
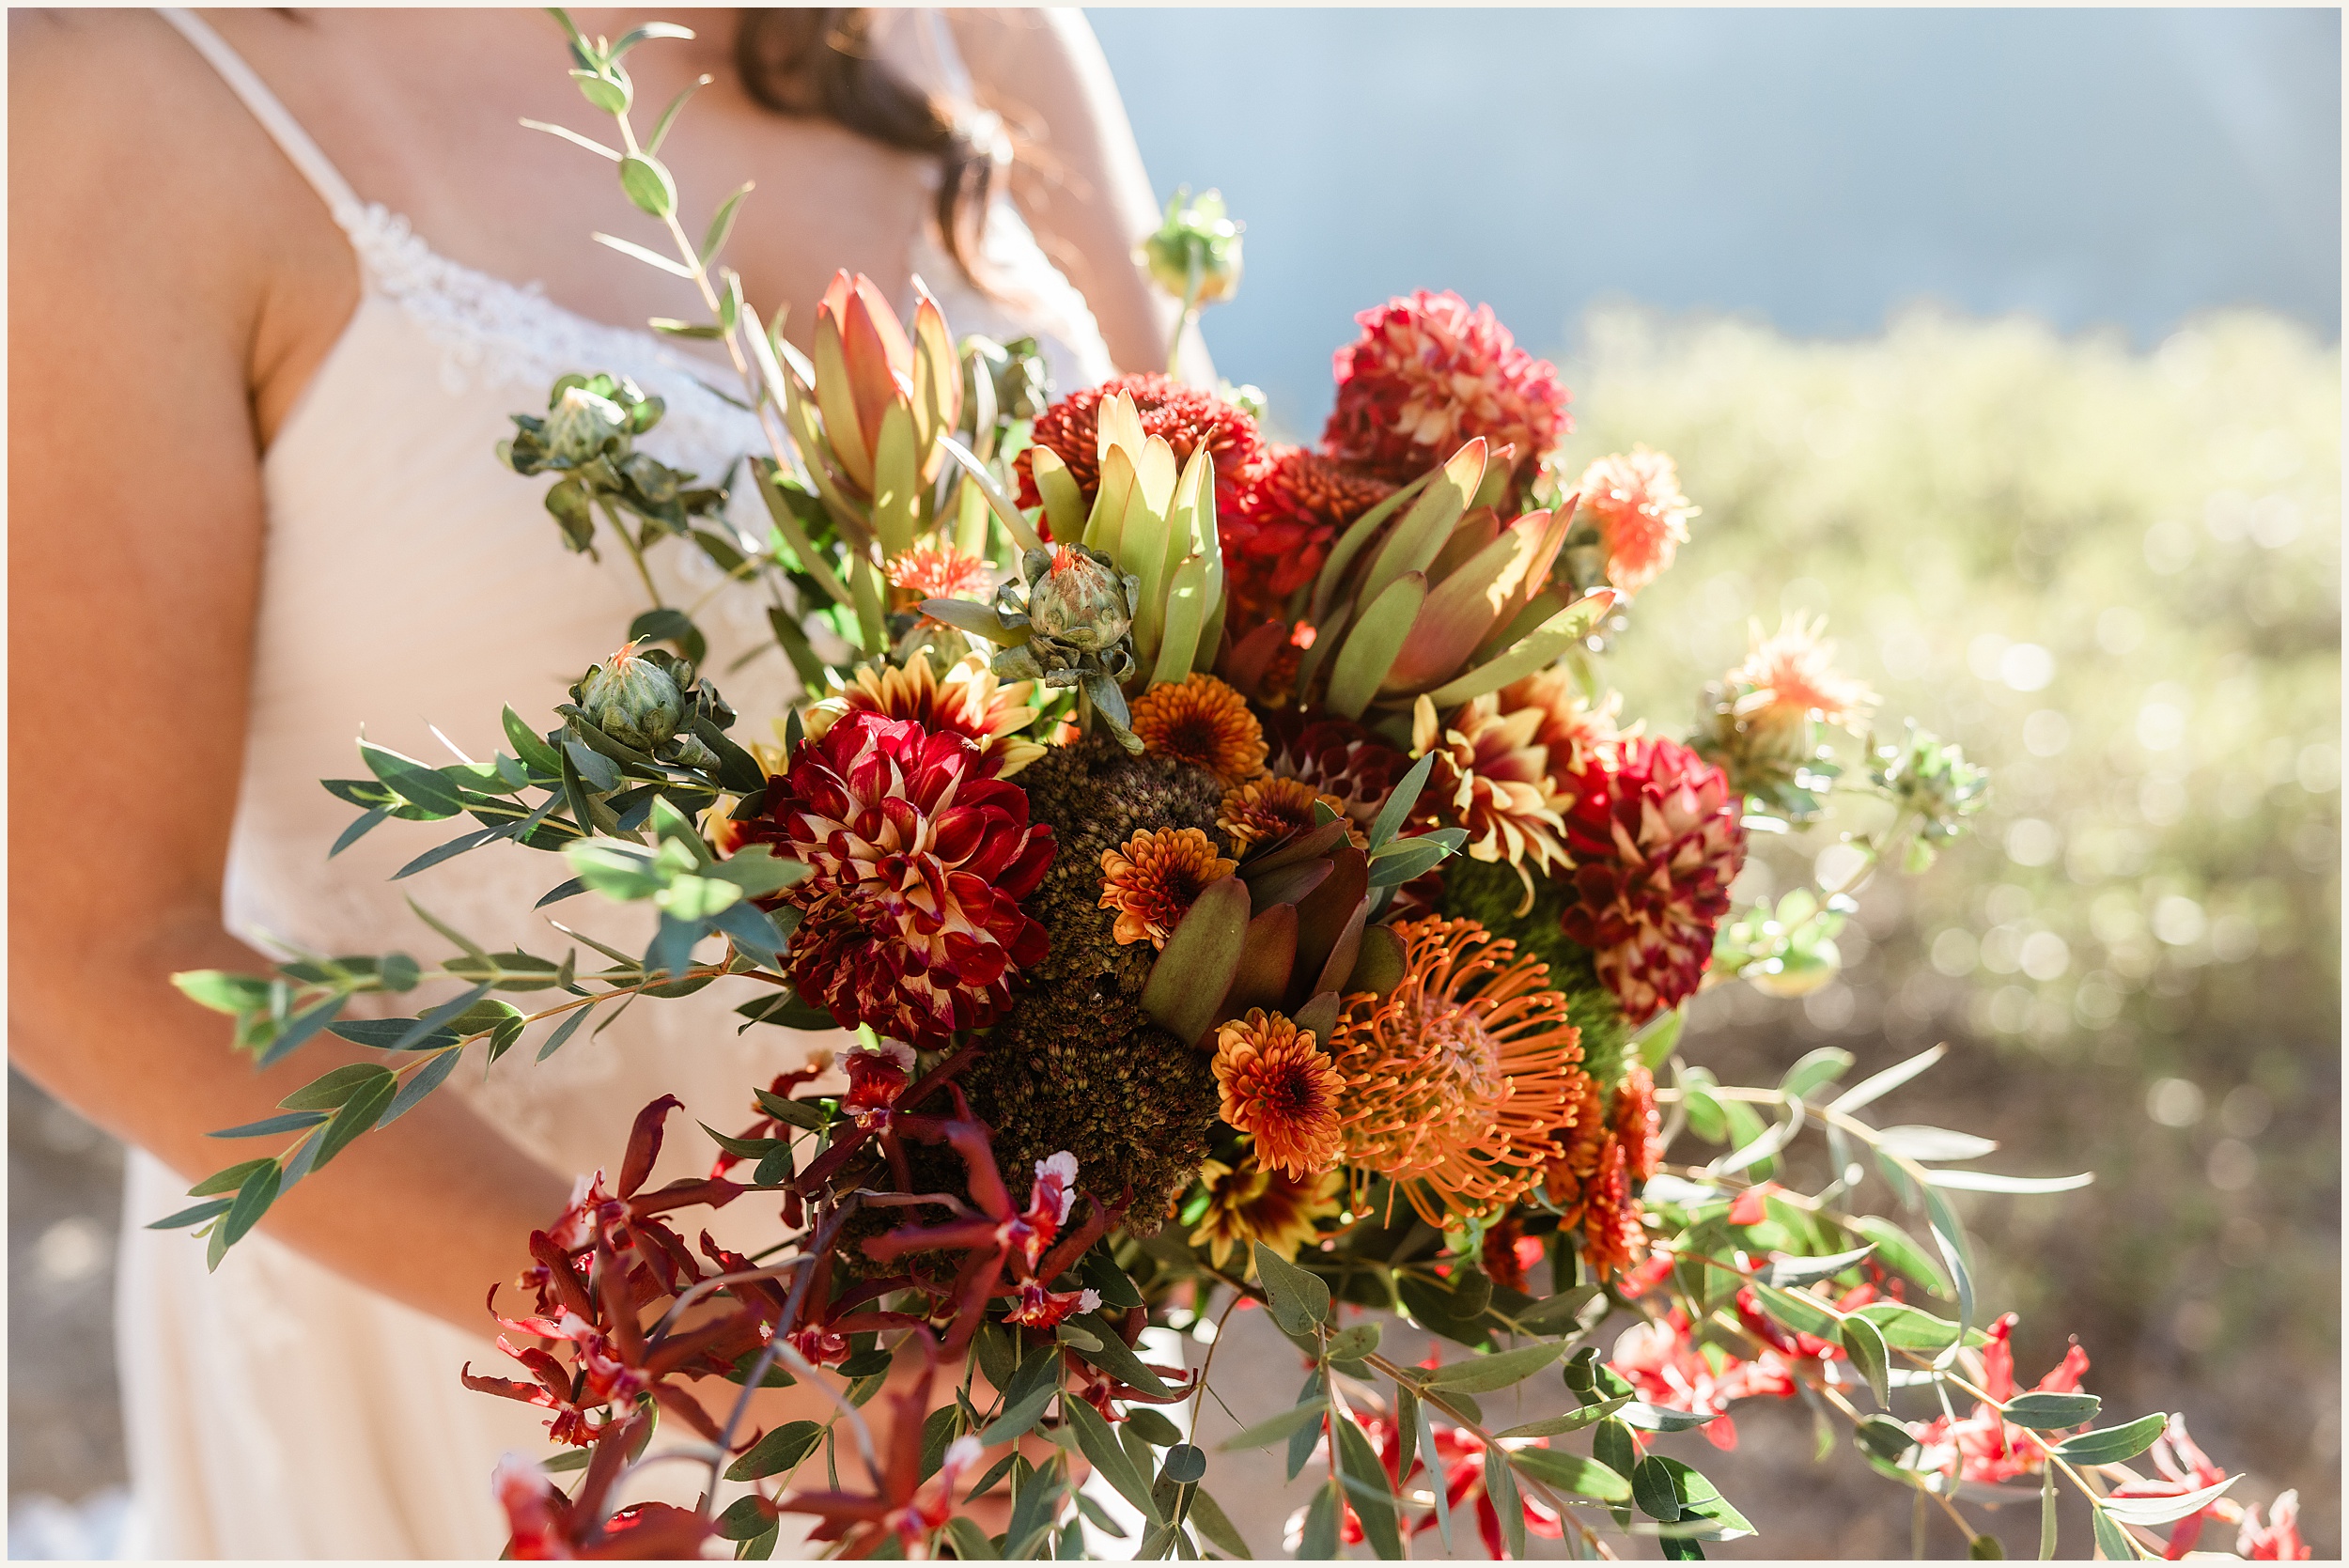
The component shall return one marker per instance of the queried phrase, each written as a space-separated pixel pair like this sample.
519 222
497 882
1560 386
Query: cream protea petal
1654 836
910 921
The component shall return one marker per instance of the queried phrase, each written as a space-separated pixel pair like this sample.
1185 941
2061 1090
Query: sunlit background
2009 340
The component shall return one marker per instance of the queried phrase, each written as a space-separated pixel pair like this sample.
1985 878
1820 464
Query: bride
276 280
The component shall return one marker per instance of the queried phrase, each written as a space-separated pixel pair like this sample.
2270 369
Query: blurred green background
2114 577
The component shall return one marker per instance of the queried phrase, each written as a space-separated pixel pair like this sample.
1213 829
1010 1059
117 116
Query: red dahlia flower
1278 538
1428 374
912 920
1655 838
1188 418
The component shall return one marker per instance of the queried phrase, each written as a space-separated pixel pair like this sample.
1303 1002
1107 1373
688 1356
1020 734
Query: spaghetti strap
290 138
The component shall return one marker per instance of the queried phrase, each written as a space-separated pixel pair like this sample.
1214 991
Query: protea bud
1195 253
632 698
1014 373
884 398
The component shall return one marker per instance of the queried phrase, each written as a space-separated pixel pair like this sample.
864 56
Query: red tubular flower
1659 1358
1654 837
2278 1541
603 1262
1984 1447
901 1505
2184 1467
544 1525
1429 374
1188 418
912 920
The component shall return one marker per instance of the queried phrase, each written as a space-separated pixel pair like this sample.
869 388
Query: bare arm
1079 181
159 315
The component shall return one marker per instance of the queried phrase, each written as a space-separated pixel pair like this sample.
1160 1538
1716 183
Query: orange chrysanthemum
1457 1081
1570 730
935 570
1279 1085
1642 515
1154 880
1794 674
1250 1201
1204 721
1265 811
968 701
1493 778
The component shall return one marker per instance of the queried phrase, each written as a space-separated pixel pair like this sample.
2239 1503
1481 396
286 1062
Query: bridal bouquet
1242 889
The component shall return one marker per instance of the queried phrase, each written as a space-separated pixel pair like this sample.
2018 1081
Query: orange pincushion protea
1794 674
1263 812
935 570
1204 721
1641 514
1494 780
1280 1085
969 701
1457 1081
1154 880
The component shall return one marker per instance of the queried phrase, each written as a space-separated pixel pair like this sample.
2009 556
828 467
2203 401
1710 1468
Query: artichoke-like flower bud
1195 253
633 698
1076 612
1079 598
579 423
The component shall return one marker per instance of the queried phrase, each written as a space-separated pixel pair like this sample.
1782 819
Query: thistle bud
632 699
1078 600
1195 253
579 425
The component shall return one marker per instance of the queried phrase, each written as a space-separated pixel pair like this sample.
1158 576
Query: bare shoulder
123 142
1016 50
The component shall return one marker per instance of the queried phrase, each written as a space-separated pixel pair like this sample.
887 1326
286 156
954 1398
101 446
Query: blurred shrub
2114 577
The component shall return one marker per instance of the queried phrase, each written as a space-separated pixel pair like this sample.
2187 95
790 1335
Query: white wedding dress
274 1409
